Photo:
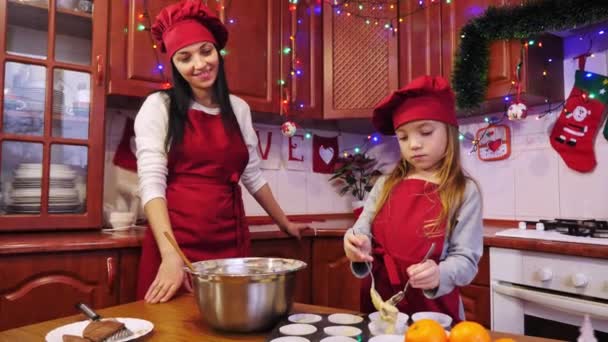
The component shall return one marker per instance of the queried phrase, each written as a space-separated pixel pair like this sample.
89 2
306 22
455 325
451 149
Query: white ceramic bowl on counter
443 319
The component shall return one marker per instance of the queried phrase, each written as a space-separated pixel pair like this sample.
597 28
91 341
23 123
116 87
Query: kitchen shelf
35 16
38 114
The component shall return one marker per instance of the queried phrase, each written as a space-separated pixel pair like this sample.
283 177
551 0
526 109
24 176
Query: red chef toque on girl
425 98
186 23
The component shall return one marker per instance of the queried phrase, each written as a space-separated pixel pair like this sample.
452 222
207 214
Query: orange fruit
505 339
426 330
467 331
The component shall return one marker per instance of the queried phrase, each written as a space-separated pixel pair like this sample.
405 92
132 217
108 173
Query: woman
195 142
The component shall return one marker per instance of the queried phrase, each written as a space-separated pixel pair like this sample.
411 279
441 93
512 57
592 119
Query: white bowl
119 219
401 317
121 216
379 327
443 319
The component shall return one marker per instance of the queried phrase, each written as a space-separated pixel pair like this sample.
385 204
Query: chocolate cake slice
98 331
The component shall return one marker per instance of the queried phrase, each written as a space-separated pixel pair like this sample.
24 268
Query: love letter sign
324 153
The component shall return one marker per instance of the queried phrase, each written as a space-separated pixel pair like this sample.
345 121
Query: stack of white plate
25 193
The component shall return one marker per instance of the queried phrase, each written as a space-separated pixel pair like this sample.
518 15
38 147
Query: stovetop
592 228
563 230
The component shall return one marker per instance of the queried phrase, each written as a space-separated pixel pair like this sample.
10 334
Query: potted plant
355 173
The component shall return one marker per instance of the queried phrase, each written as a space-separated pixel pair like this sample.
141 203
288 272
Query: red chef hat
186 23
425 98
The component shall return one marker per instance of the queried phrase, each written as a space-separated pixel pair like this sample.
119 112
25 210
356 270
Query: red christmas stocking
574 132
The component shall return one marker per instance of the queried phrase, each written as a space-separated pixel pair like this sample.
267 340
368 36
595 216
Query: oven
547 295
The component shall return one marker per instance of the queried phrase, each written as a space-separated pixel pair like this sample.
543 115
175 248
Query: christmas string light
375 11
145 25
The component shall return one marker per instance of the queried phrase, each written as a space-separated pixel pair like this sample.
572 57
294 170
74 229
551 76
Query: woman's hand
169 279
294 229
424 276
357 247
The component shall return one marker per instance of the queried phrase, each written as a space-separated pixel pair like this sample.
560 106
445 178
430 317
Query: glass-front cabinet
52 55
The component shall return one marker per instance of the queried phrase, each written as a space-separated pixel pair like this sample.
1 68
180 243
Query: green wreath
470 76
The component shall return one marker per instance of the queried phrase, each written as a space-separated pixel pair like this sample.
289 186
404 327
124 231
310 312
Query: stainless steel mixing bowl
244 294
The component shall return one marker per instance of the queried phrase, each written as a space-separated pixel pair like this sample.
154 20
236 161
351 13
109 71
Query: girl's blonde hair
452 182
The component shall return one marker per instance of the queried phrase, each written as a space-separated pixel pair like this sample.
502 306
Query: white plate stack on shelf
25 193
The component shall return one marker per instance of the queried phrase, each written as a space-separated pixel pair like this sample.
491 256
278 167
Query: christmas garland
470 76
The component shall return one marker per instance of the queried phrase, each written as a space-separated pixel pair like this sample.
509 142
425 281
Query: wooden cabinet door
129 269
39 287
360 65
290 249
504 55
476 301
333 282
252 52
134 61
420 42
306 87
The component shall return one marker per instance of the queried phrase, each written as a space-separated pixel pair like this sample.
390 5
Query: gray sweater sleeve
364 223
464 246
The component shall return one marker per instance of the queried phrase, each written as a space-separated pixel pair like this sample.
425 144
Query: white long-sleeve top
151 126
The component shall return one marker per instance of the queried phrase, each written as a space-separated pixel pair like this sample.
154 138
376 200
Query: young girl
427 198
195 142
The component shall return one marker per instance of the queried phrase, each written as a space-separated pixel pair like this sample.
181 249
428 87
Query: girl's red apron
400 240
203 196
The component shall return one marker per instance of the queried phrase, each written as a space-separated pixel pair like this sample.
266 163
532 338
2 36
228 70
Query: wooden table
177 320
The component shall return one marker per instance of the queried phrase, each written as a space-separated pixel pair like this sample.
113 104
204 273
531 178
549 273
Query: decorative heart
494 145
326 154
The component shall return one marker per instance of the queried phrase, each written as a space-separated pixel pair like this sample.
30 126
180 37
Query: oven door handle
570 305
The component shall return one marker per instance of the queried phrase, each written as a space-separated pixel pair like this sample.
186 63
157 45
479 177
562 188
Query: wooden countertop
12 243
177 320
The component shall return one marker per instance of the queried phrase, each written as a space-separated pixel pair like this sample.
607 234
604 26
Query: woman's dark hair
180 96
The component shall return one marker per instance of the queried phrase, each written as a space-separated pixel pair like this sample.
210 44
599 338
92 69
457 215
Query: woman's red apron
400 240
203 196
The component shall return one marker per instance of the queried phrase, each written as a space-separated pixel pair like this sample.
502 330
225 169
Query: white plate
340 339
290 339
298 329
387 338
342 330
304 318
139 327
441 318
342 318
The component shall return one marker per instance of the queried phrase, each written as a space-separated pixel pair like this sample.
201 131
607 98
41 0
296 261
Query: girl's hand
169 279
357 247
424 276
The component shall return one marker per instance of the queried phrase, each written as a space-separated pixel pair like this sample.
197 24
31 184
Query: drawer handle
111 268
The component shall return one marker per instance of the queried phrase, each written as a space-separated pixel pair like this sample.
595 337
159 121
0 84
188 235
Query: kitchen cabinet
318 76
290 249
333 282
429 41
360 65
134 58
53 75
504 57
42 286
253 52
476 296
420 38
